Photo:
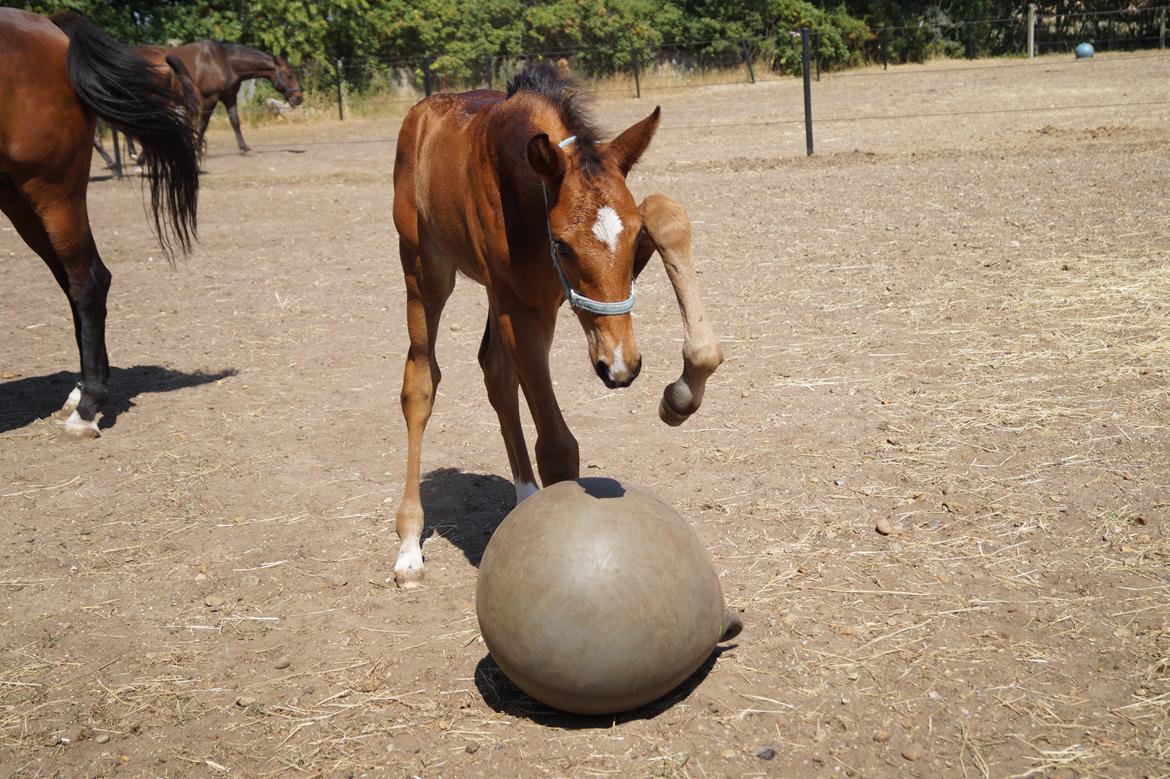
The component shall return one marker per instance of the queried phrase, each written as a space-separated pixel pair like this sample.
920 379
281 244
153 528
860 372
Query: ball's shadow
504 697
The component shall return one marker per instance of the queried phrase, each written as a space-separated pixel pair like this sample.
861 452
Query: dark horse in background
217 68
56 77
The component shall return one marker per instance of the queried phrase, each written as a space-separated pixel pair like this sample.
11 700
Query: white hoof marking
525 489
77 426
409 566
73 400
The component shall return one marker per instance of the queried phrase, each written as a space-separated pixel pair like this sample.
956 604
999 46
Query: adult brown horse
217 68
519 193
56 77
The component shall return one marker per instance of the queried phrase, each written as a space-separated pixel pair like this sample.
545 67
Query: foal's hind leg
429 282
499 376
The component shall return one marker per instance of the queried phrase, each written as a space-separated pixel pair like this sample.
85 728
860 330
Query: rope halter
577 301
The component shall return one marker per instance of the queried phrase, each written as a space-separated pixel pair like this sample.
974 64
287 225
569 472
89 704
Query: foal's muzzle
616 378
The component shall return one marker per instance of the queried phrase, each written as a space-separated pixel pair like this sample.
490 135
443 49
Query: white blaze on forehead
608 227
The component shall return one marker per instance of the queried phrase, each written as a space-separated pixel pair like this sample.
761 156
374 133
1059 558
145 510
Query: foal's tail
130 94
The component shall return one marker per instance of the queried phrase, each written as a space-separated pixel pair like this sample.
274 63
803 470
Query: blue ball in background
1084 50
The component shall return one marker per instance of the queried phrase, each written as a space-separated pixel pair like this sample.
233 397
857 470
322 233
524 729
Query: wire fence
376 85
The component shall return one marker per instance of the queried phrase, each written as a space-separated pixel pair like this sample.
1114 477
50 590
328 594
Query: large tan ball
596 597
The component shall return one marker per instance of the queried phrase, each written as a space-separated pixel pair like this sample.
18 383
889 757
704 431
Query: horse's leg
28 225
234 118
204 120
66 222
527 336
97 144
668 231
429 282
499 376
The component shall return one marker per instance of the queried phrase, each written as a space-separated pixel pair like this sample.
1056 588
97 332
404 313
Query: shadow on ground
504 697
465 508
27 399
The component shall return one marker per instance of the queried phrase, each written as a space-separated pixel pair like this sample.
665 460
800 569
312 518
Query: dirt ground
953 322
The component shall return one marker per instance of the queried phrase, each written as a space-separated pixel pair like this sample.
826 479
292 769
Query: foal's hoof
669 415
78 428
408 580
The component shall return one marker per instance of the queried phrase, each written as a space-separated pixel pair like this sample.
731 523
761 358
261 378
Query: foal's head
285 81
593 221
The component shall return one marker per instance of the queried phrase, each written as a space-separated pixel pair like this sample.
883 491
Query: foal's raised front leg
668 230
428 285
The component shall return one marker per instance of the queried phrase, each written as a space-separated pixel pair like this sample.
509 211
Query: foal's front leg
527 336
428 285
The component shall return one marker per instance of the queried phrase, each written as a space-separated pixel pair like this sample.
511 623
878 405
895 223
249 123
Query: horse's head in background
285 81
593 227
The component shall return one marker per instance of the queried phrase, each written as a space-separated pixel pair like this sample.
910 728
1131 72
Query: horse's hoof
80 429
669 415
408 580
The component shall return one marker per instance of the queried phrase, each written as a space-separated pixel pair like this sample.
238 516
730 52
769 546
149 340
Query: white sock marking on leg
525 489
409 557
74 398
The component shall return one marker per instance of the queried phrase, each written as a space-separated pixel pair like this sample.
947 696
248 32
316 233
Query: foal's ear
544 159
628 147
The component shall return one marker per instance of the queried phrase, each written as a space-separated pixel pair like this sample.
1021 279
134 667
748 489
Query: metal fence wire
630 69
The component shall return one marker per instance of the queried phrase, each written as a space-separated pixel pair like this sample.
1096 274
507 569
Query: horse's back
433 151
39 104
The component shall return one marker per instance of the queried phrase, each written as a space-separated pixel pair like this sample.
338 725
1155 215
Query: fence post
426 66
885 49
117 153
1031 30
747 59
487 70
637 77
340 91
1162 29
804 58
817 56
970 42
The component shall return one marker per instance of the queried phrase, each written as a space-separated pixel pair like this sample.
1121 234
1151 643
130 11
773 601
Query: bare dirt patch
950 326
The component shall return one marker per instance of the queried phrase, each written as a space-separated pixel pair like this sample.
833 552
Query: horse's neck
251 63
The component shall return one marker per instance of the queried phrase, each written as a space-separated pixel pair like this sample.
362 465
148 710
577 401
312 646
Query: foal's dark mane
545 80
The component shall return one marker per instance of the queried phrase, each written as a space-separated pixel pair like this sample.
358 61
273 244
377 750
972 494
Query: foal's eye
562 249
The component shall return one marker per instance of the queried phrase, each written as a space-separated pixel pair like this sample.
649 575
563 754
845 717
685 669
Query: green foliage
473 41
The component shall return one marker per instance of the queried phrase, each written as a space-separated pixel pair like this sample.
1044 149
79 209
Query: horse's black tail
132 95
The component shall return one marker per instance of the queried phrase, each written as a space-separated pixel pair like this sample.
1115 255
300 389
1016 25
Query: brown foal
518 192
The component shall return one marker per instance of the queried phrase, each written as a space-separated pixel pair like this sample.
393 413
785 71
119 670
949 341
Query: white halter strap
577 301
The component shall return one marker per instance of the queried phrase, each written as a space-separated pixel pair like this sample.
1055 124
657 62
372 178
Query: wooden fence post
637 77
340 91
747 59
804 58
118 173
1031 30
426 68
